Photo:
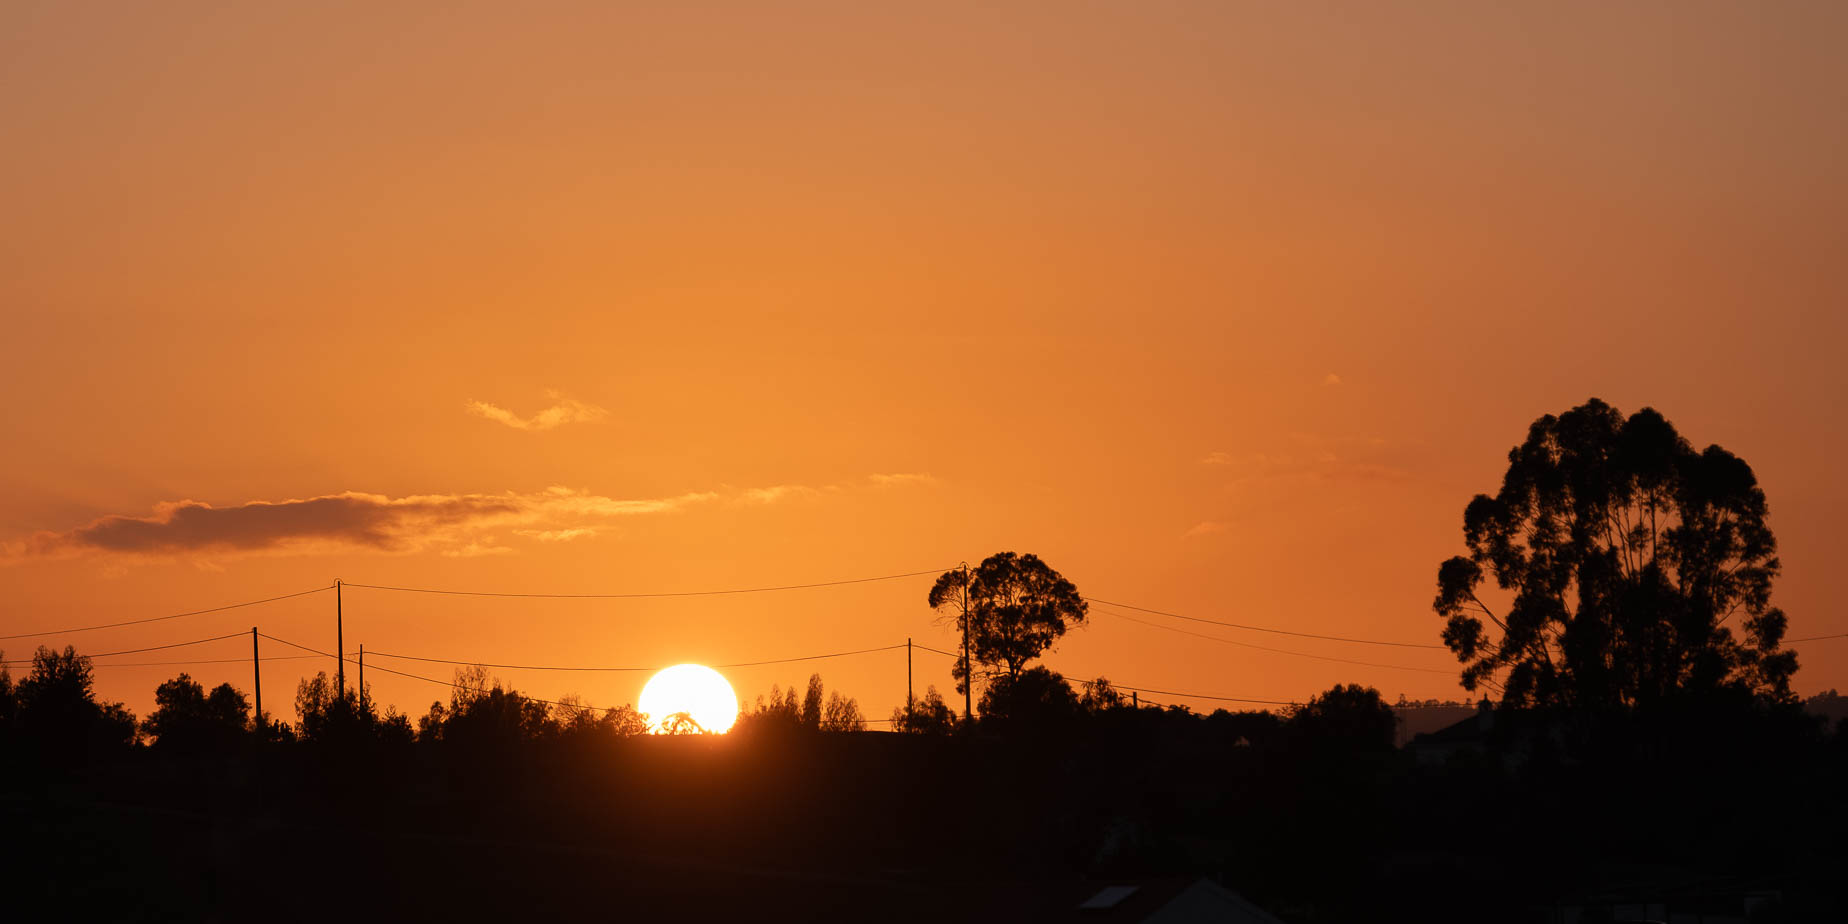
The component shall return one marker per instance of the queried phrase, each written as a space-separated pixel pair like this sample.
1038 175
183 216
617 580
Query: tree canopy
187 718
928 715
1013 607
56 706
1346 716
820 710
1625 558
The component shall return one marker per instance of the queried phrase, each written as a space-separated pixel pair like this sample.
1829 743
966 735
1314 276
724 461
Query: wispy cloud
556 535
563 411
449 524
903 478
1307 457
1206 528
792 491
774 493
454 524
1331 379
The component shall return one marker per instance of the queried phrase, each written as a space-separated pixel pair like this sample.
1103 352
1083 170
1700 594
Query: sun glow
688 698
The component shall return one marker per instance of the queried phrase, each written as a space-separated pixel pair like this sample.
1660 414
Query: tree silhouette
186 718
780 713
1346 717
1100 696
1246 729
1035 696
9 698
927 716
483 713
842 714
319 708
324 715
819 710
574 719
1017 608
681 723
812 704
58 710
781 705
1626 553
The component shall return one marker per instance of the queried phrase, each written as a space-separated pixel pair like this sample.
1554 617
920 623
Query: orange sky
1221 308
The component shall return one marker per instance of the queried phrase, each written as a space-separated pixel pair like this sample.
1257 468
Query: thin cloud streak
457 525
1313 458
454 524
895 479
566 410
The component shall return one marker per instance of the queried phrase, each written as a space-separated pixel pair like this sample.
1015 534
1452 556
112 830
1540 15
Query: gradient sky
1221 308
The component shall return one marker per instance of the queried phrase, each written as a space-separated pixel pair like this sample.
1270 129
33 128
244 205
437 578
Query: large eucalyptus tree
1622 560
1013 607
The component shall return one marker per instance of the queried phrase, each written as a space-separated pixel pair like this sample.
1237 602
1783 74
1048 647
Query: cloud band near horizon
453 524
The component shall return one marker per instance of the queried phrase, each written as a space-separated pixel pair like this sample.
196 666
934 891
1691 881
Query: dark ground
894 827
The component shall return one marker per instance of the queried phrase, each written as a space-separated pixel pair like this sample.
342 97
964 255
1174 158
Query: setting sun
688 691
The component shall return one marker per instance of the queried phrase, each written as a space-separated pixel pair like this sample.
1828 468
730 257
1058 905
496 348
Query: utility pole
968 675
910 696
362 676
1134 703
339 641
256 675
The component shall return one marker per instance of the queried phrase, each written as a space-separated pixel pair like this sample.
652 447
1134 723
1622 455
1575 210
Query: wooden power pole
968 674
256 675
339 642
362 677
910 695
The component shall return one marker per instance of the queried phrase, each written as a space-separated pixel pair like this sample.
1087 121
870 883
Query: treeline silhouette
492 800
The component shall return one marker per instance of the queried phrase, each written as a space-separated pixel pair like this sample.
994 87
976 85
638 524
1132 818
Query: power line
1118 686
137 622
513 667
1297 654
552 667
174 663
841 654
629 596
1234 625
1817 638
1227 699
200 641
446 683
